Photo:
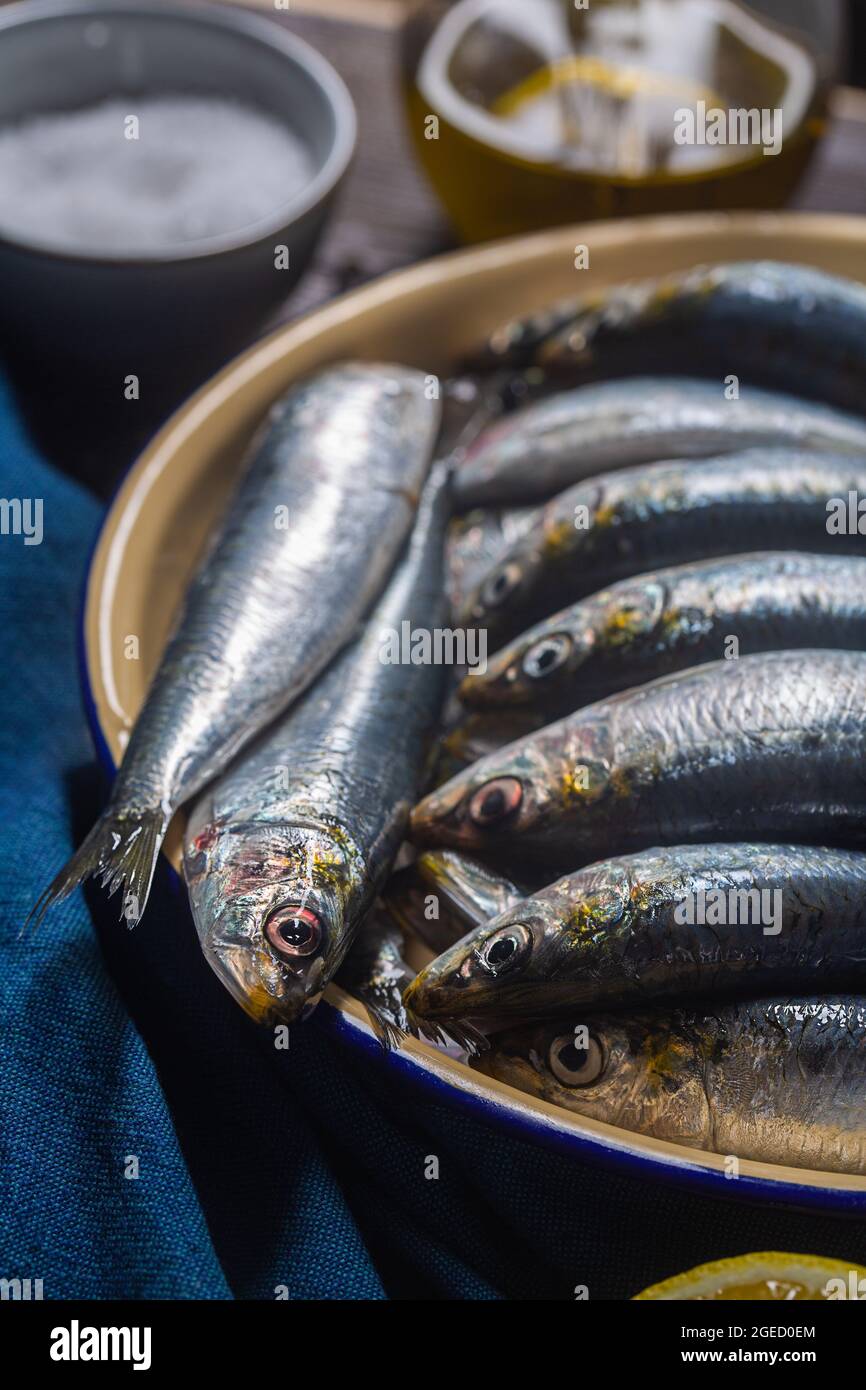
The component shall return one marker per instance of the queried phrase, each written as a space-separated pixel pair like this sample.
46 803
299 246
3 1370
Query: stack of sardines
660 778
277 716
641 856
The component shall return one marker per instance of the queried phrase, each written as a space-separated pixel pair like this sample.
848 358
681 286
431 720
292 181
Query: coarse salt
133 175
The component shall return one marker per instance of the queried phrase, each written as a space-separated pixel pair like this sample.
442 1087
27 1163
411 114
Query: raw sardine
476 542
768 747
307 544
285 853
626 523
554 443
671 619
683 922
788 326
774 1080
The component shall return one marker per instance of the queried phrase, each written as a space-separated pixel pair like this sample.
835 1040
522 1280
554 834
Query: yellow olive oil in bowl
529 113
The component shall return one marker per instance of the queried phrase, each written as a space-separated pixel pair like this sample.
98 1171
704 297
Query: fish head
585 1064
271 907
540 665
547 661
490 969
537 955
513 796
475 807
642 1072
517 589
495 604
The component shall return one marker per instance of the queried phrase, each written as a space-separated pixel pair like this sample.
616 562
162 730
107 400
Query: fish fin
463 1034
386 1027
423 1028
430 1032
121 850
467 1037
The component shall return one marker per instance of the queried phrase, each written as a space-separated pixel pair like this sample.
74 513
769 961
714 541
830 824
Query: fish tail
121 850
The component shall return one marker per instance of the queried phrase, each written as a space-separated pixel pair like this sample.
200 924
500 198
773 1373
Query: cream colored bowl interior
426 317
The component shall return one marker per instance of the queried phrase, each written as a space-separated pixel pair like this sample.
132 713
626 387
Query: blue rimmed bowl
427 317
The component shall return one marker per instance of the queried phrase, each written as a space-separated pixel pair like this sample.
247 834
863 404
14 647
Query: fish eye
546 656
573 1065
495 800
500 585
293 930
506 948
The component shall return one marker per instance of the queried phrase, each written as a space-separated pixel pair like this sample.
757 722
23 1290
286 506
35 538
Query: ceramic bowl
427 317
202 298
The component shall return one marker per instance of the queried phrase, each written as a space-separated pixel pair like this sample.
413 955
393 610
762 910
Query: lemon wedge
768 1275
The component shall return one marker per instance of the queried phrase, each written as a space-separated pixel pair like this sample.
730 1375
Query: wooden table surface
387 217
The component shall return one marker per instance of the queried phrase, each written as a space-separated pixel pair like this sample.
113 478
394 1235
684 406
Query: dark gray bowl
202 300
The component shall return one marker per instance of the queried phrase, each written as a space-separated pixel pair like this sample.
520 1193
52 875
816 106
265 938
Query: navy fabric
260 1174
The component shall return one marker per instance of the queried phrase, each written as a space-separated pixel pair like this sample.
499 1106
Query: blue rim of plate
541 1128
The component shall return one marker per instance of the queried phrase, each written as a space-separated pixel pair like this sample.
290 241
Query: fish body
442 895
671 619
558 441
622 524
775 1080
285 853
768 747
687 921
307 544
789 326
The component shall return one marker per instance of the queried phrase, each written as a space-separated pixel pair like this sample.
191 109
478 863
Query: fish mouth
442 1013
469 815
496 686
420 1001
269 993
427 998
439 818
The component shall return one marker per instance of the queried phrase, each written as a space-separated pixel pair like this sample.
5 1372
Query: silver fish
787 326
682 922
476 542
628 522
670 619
557 442
285 853
773 1080
309 539
768 747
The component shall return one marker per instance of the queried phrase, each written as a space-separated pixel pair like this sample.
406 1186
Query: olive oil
528 113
